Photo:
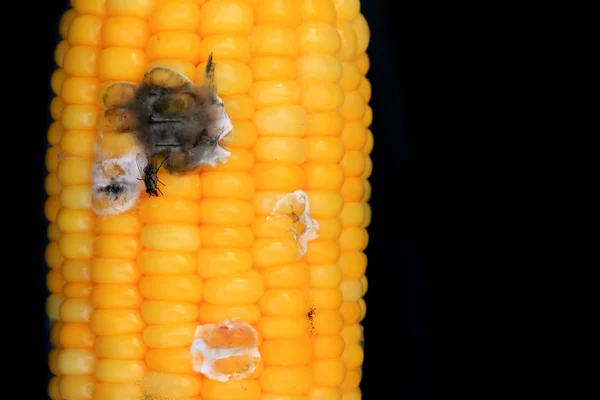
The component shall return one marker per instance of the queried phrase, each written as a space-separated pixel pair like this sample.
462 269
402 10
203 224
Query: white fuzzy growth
224 125
210 354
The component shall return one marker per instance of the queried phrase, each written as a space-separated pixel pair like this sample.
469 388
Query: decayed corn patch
274 237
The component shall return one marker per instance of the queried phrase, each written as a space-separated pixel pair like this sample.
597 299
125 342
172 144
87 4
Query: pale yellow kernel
322 251
324 149
132 8
363 309
80 61
363 33
283 327
275 92
223 236
321 97
116 322
174 45
213 314
76 310
274 40
65 22
121 64
76 361
235 185
166 210
230 77
85 30
183 15
354 163
92 7
348 40
113 270
57 106
278 177
271 252
59 53
53 305
75 221
286 380
328 373
284 302
56 80
113 246
177 288
166 263
286 352
286 12
116 296
77 387
226 212
272 67
280 150
76 270
78 197
322 176
117 371
52 185
171 237
319 10
225 16
318 67
324 124
243 288
284 120
117 391
55 132
365 89
226 47
351 290
239 107
125 31
215 262
169 312
124 347
318 37
169 336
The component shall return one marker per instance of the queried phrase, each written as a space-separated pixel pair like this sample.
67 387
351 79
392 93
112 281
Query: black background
398 347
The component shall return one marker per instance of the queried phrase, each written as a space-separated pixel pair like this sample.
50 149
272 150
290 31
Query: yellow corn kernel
129 290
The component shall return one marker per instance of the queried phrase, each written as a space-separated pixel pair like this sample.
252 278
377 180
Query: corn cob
274 236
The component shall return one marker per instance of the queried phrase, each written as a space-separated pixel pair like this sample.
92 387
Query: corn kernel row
356 190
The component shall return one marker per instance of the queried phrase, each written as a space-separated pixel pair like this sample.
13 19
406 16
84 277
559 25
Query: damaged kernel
225 351
295 206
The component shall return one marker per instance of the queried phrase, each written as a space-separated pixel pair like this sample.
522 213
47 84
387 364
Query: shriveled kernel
225 16
225 47
125 31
